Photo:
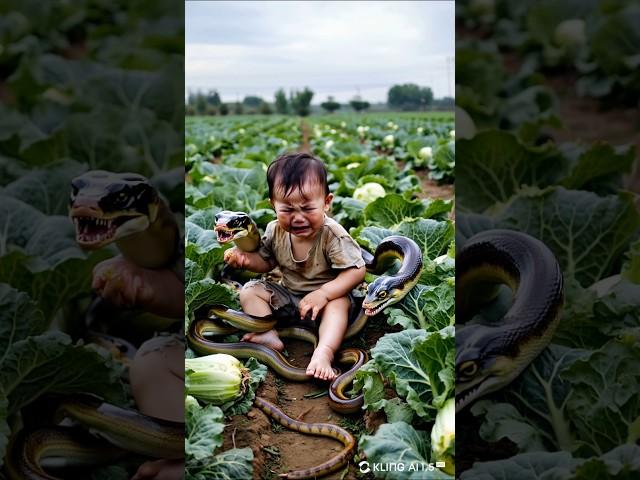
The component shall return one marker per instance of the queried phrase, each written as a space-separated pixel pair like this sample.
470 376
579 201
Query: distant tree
301 101
224 109
201 104
211 110
358 104
265 109
213 98
237 108
190 110
444 102
252 101
282 106
330 105
409 96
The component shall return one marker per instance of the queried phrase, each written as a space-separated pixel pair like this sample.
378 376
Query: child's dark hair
290 171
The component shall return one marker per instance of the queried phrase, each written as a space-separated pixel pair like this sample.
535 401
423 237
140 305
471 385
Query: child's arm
346 281
248 261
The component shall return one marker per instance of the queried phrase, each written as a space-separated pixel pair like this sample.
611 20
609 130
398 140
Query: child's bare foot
320 364
269 339
161 470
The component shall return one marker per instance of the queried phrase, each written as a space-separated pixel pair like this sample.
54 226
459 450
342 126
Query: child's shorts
284 305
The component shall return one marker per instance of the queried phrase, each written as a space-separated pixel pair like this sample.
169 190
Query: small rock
252 414
264 437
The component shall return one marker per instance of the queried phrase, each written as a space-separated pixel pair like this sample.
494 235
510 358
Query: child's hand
128 285
236 258
313 302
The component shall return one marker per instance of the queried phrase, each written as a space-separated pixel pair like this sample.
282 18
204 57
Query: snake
126 210
490 356
119 431
321 429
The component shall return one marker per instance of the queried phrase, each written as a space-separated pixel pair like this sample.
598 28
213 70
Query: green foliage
203 435
409 96
359 105
301 102
281 103
330 105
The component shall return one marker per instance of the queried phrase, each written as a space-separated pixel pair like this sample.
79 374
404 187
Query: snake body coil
490 356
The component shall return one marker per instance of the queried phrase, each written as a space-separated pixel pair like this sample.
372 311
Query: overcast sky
335 48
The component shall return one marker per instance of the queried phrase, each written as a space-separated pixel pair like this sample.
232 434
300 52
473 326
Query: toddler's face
300 215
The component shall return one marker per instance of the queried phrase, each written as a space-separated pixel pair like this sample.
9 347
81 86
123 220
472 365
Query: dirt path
277 450
304 145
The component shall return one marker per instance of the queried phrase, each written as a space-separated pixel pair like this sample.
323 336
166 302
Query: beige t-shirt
333 251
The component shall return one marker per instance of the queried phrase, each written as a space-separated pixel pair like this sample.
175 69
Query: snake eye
382 294
468 369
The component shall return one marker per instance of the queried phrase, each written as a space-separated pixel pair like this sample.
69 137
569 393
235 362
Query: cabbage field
390 174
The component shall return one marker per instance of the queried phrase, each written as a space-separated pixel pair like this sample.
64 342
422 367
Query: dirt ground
277 450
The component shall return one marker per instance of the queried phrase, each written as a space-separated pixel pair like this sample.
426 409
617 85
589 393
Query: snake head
232 226
381 293
106 206
482 367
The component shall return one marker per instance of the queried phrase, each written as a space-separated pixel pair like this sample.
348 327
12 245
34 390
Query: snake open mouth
371 311
96 230
224 236
463 398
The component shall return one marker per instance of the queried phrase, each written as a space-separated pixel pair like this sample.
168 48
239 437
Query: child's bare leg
331 333
157 383
255 301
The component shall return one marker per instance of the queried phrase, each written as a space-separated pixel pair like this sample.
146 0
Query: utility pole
450 67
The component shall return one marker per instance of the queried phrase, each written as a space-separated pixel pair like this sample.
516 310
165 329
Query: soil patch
277 450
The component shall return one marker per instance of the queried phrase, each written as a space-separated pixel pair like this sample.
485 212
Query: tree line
406 97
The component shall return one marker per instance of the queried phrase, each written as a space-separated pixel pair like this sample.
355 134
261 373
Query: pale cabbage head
388 140
443 436
329 144
369 192
425 153
570 33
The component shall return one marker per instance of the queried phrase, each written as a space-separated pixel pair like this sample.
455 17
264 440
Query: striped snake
489 357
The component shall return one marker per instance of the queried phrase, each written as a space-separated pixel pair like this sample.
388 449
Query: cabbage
369 192
215 379
388 140
570 33
329 144
443 436
425 153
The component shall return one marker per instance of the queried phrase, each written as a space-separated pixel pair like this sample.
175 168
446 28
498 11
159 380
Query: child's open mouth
298 230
